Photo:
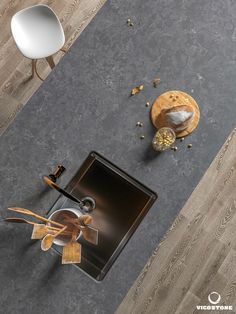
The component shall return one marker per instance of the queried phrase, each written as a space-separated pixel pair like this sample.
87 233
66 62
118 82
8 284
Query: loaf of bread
178 117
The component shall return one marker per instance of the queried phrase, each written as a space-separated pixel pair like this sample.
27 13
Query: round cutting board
172 99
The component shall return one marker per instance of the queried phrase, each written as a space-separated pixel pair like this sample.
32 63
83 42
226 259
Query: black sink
121 204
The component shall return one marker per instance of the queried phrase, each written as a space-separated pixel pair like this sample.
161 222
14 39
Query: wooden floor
198 254
16 85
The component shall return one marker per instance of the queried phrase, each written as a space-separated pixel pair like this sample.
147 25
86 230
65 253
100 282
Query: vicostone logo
214 298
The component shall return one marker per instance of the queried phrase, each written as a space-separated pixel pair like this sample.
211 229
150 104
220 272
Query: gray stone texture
84 105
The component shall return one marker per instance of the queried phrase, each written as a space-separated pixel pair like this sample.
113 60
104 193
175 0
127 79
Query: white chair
38 34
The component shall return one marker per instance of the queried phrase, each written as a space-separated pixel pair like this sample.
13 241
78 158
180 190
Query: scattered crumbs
174 148
147 104
182 139
156 81
140 124
190 145
137 90
129 22
142 137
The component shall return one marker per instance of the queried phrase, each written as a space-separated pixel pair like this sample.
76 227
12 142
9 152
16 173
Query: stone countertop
84 105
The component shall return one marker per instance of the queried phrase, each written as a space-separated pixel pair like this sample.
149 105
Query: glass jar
163 139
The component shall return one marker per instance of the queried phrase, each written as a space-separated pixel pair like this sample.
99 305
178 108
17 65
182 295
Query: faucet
86 204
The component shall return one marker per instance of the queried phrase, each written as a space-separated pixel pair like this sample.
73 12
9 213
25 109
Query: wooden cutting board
198 254
171 99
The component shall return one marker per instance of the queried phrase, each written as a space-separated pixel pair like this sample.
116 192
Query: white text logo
214 298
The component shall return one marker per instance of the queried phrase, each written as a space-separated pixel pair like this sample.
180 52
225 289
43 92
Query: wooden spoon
85 219
29 212
81 220
49 238
90 233
72 251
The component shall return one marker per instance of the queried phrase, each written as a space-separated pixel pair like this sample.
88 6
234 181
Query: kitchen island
85 105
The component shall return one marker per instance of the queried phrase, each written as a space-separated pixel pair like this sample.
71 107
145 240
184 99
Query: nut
141 87
140 124
156 81
129 22
137 90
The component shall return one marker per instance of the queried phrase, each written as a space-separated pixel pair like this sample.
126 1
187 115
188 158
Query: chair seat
37 32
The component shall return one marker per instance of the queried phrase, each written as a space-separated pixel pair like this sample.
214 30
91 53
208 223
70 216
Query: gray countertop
84 105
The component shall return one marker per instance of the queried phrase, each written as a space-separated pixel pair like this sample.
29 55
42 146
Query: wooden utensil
48 239
22 220
82 220
29 212
72 251
40 231
90 233
85 219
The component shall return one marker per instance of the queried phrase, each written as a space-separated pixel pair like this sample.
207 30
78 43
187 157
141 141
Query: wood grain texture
172 99
198 253
16 84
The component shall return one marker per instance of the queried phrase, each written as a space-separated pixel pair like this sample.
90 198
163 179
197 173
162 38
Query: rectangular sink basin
121 204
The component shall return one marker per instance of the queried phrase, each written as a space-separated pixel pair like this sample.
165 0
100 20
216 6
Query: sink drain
89 204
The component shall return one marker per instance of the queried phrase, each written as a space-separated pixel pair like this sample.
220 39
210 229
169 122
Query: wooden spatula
72 251
90 233
29 212
49 238
22 220
40 231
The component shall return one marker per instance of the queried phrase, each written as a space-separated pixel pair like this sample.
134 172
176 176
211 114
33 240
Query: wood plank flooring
198 254
16 85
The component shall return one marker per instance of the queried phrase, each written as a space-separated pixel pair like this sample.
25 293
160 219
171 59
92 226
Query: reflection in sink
121 204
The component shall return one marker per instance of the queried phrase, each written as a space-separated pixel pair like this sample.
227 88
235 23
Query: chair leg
50 61
64 50
33 67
